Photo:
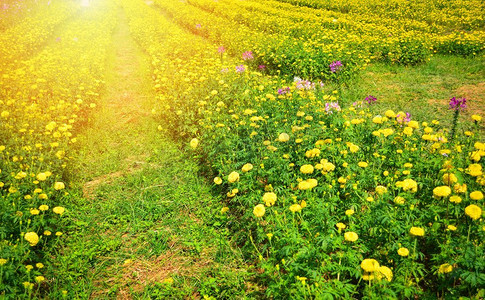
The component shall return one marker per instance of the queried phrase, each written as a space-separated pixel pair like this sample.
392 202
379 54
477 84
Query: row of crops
50 81
303 41
327 201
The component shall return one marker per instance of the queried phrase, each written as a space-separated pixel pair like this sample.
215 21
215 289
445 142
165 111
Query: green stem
455 122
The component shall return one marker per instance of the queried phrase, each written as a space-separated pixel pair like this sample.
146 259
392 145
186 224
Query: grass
139 230
423 90
147 226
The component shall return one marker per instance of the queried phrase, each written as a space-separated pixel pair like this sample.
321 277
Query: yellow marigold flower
312 153
476 118
269 198
3 261
408 131
351 236
58 233
58 210
460 188
194 143
306 169
475 170
349 212
455 199
476 195
473 211
369 265
247 167
368 276
47 233
381 190
408 185
413 124
41 176
403 251
451 227
445 268
399 200
32 238
390 114
59 186
43 207
442 191
217 180
34 211
416 231
233 177
353 148
370 199
384 272
39 265
283 137
259 210
39 279
340 225
307 184
362 164
327 166
377 120
224 209
449 178
28 285
387 132
295 208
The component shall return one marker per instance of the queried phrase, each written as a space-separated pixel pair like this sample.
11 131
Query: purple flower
224 70
457 104
403 118
284 90
330 107
247 55
262 67
221 49
302 84
198 26
240 68
370 99
335 66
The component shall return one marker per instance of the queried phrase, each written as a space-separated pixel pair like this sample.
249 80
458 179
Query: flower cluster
40 116
305 192
335 66
457 104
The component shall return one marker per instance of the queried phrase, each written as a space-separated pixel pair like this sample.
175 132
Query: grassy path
144 225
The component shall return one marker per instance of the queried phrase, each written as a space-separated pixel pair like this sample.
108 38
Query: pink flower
247 55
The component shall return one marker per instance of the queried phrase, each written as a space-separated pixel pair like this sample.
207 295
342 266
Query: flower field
49 83
324 197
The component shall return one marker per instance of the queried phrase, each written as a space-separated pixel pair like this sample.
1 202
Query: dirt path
144 216
119 139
